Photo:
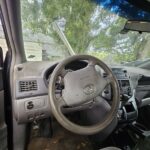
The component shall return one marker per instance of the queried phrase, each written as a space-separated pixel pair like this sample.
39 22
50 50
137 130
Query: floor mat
61 140
143 144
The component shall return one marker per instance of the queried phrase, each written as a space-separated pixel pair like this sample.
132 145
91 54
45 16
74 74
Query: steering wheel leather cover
80 87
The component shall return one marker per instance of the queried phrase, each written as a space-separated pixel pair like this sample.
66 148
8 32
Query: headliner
130 9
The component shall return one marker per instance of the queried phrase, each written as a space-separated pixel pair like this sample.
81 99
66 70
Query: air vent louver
25 86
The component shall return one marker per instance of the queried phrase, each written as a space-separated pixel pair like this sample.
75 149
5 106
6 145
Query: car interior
76 75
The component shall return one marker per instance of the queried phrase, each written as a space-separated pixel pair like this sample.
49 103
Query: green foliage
103 55
126 57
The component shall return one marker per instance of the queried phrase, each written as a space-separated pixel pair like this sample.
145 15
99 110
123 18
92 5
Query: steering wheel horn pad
82 86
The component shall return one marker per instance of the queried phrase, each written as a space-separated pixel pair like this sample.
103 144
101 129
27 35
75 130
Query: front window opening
89 29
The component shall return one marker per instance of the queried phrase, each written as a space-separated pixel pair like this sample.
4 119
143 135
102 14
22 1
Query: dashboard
31 87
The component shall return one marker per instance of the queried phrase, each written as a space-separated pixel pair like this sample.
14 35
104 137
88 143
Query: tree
38 17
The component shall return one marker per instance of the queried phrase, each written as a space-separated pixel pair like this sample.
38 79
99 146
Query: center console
123 81
128 111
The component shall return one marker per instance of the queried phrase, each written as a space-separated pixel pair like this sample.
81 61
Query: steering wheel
82 86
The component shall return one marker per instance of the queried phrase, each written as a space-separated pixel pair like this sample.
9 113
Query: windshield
88 27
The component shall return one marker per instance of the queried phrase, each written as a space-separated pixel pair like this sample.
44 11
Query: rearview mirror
134 25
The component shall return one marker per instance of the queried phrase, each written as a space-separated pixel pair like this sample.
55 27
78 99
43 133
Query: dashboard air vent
25 86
